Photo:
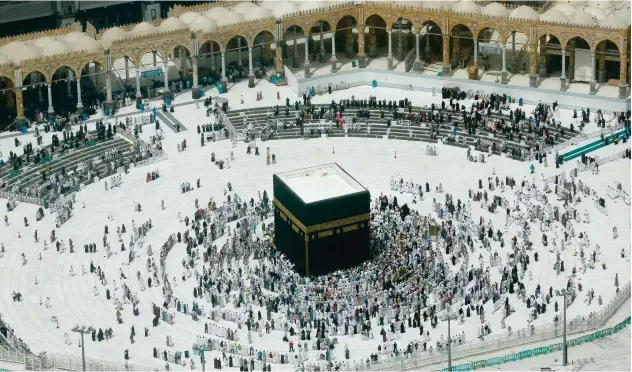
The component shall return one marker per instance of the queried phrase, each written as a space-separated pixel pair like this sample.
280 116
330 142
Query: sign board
151 73
489 48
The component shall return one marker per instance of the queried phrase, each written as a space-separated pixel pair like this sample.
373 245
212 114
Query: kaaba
321 219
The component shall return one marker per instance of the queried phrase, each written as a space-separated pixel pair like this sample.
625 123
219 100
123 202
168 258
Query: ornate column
372 43
623 74
165 72
251 73
139 95
514 68
456 49
322 43
427 48
79 104
194 65
295 54
224 80
389 57
278 59
542 70
361 54
349 43
51 110
593 77
126 69
68 88
108 80
503 71
571 61
333 59
475 52
533 63
400 45
601 71
417 64
154 56
445 69
563 77
239 61
306 64
19 104
211 47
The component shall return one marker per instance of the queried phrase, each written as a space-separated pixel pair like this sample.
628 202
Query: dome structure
113 34
71 37
142 29
203 24
4 60
56 47
612 20
524 12
171 24
554 15
582 18
495 9
624 13
189 17
229 18
311 5
243 8
466 6
86 43
566 8
43 42
215 13
26 53
256 13
438 4
597 12
270 5
284 8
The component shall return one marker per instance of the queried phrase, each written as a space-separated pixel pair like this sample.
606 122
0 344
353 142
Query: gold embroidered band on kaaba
286 214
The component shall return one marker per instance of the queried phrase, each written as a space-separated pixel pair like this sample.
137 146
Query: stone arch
293 28
83 67
180 55
205 47
35 92
518 54
58 68
432 41
8 101
172 49
234 38
32 73
603 48
551 36
402 34
262 43
579 42
487 33
459 43
10 79
208 58
264 31
292 43
513 29
597 43
140 56
336 22
343 35
378 34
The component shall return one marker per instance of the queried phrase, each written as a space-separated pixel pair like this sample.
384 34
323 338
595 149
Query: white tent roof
26 52
614 21
466 6
243 8
202 23
56 47
597 12
256 13
438 4
310 5
269 4
582 18
495 9
554 15
524 12
4 60
566 8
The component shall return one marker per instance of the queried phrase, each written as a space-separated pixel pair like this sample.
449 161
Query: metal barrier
524 336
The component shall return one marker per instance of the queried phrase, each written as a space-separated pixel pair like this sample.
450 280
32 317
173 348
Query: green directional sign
147 74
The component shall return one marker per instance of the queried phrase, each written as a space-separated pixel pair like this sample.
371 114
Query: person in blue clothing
532 167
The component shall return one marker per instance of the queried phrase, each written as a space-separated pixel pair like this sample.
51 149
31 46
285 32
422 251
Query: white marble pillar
212 57
165 72
251 73
50 99
322 44
68 88
389 57
79 104
503 71
333 59
126 69
306 64
563 77
194 63
138 93
417 56
240 62
108 85
593 76
154 56
475 52
223 65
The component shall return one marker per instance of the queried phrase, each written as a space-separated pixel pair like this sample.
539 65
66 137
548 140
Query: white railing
154 159
22 198
226 121
583 137
601 161
524 336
